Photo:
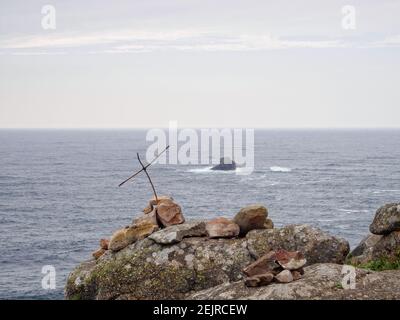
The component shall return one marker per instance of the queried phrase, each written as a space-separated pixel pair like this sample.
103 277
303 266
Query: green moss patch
383 263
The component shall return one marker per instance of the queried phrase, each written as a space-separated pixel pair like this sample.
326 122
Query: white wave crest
280 169
239 170
201 170
352 211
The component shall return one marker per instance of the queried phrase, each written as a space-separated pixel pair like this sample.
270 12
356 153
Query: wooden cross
144 168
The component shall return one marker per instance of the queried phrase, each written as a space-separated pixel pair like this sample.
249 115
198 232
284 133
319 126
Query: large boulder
387 219
149 270
316 245
251 217
377 248
320 281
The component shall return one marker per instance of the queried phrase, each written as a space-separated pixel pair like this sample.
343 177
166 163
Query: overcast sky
203 63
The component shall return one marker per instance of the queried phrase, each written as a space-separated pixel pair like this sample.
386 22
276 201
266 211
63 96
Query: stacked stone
247 219
160 213
163 222
280 266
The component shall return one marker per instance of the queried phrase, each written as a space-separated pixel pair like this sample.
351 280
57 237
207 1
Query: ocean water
59 191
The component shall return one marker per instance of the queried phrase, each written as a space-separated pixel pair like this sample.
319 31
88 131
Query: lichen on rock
320 281
316 245
387 219
149 270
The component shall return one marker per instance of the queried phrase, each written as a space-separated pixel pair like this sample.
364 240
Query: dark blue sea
59 191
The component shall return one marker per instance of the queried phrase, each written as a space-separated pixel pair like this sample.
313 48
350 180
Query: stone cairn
160 213
162 221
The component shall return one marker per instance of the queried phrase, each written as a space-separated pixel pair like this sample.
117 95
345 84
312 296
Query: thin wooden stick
151 162
131 177
145 171
144 167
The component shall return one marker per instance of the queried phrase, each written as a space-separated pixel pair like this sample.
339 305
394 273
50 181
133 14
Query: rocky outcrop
380 250
225 164
320 281
211 260
146 269
317 246
374 248
387 219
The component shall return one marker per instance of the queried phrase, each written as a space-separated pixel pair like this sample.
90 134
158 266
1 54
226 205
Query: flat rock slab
176 233
290 260
259 280
265 264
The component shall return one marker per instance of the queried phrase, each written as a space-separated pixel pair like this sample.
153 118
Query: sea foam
280 169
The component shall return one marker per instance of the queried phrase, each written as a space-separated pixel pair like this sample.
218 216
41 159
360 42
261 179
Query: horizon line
204 127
